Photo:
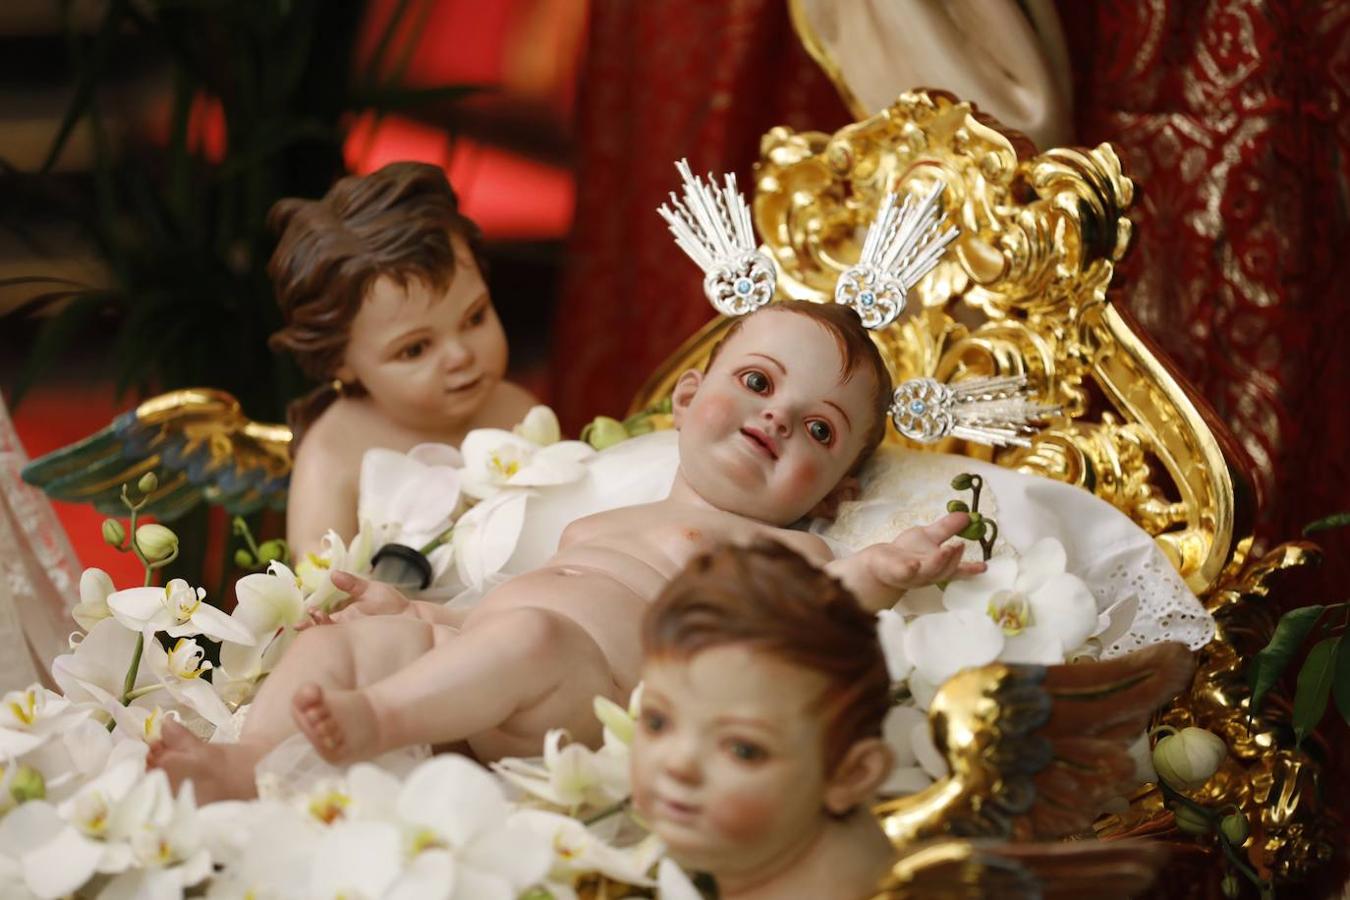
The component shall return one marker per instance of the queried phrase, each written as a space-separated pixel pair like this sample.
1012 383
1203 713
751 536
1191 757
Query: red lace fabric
701 79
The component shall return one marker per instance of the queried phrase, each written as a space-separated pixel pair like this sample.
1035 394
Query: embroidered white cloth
39 574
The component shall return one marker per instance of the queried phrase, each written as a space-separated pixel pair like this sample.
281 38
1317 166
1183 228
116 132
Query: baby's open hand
917 557
921 556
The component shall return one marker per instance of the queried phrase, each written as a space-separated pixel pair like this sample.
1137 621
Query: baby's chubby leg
516 671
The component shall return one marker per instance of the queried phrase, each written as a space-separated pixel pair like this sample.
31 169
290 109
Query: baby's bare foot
340 724
217 771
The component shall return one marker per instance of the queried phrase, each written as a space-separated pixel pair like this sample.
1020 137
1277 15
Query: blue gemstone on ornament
917 407
867 299
743 286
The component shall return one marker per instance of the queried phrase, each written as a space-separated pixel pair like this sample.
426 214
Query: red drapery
701 79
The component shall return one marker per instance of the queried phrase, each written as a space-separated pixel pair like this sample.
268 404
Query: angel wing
197 441
972 870
1036 751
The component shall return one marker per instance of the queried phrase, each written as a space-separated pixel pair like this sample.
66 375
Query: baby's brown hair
769 598
856 350
397 222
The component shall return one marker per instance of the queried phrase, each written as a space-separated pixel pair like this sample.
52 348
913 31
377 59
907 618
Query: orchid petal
135 608
945 643
486 536
452 796
895 730
1043 560
673 884
361 858
1065 606
269 600
973 593
1037 646
430 876
216 625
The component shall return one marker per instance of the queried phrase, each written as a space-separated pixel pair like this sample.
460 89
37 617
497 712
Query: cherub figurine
758 748
790 405
382 290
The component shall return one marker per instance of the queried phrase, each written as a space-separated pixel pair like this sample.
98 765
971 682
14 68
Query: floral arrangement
81 815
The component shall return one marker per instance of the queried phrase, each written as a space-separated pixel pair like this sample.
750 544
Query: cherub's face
429 359
728 760
770 429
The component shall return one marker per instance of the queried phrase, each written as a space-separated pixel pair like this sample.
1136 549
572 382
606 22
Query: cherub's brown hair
856 350
395 222
769 598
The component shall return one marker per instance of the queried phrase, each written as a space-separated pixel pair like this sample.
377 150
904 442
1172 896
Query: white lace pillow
1116 557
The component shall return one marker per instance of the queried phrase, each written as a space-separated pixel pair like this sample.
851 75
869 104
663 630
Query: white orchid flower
918 763
315 570
243 666
268 601
891 630
486 536
540 426
31 717
165 839
495 459
415 495
1043 612
176 609
358 859
97 666
179 671
571 777
620 723
141 723
578 851
453 806
52 859
95 588
267 849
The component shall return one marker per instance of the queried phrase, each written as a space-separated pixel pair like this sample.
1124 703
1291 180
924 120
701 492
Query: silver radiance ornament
996 411
712 226
903 244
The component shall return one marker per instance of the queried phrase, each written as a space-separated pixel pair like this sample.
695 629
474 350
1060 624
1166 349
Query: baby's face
728 760
771 429
429 359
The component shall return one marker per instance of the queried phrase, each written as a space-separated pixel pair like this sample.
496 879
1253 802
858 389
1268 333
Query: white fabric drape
1008 57
39 574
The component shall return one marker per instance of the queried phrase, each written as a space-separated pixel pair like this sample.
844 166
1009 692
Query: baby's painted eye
478 316
652 721
756 381
413 351
745 751
820 430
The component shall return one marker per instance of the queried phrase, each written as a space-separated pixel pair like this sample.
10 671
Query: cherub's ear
683 394
859 775
849 488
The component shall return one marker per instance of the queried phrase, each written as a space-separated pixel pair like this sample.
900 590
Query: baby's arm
374 598
322 496
879 574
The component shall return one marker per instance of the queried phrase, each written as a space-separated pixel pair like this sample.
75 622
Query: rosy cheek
803 475
715 411
744 815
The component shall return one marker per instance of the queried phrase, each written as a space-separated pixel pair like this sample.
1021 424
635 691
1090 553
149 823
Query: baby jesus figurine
758 750
791 404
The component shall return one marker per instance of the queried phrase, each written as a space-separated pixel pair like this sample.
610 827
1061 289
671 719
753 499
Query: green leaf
1269 664
1336 520
1314 686
88 75
1340 687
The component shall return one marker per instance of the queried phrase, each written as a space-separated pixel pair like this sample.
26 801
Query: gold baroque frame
1024 290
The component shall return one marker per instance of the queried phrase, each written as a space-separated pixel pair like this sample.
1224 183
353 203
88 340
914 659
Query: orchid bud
1191 820
243 559
148 484
156 542
1235 828
604 432
1230 885
27 784
271 551
962 482
1188 758
957 506
113 533
540 426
